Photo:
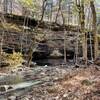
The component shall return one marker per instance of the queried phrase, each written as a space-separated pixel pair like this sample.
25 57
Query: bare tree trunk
90 35
77 48
84 34
51 12
63 19
33 45
80 6
2 41
85 47
65 60
31 50
91 49
59 9
43 9
5 4
94 29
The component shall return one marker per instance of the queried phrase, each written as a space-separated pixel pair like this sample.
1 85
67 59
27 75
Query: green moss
86 82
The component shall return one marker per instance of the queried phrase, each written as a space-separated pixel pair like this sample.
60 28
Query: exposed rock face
40 55
47 41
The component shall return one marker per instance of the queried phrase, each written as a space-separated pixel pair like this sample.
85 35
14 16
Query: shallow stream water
52 62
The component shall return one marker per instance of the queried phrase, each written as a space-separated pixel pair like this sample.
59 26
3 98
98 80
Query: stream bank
60 82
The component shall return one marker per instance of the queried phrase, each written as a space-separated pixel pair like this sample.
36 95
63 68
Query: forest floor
77 84
63 83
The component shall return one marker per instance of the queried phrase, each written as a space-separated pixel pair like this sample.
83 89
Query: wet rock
10 87
77 66
45 65
33 64
12 98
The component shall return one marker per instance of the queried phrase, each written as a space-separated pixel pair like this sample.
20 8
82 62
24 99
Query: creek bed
43 77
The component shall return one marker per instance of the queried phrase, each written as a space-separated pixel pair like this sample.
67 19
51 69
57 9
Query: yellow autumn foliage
14 59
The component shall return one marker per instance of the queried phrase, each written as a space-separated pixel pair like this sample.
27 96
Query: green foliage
27 3
33 5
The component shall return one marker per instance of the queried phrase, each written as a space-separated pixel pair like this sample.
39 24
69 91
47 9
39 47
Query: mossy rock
52 90
86 82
